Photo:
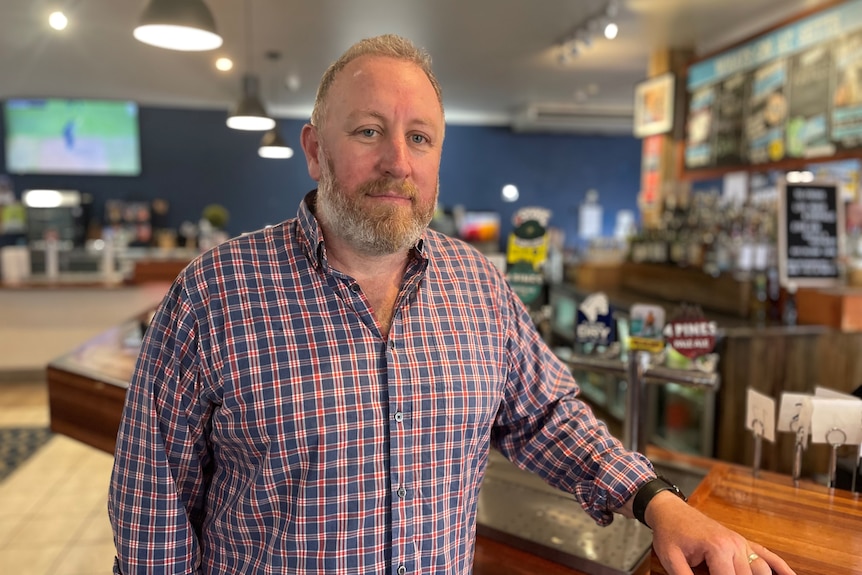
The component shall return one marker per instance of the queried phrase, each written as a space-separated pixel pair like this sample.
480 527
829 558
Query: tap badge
595 320
690 333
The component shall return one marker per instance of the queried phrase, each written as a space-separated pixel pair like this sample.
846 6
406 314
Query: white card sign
760 414
794 415
836 421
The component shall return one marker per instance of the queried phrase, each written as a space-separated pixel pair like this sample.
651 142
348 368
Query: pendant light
186 25
274 147
249 113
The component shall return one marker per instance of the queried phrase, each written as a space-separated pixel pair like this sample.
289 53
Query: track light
186 25
584 32
249 113
272 146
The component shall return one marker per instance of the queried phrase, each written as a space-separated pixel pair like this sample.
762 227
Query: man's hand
684 537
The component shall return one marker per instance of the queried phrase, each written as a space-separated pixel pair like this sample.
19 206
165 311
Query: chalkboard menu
795 92
811 224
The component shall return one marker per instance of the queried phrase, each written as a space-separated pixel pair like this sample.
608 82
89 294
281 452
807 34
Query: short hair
387 45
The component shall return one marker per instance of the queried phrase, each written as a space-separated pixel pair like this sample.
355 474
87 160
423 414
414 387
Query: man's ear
310 140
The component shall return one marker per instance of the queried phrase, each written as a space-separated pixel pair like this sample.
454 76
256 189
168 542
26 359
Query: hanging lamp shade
274 147
249 113
186 25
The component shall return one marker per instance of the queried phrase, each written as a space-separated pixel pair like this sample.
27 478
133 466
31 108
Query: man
320 396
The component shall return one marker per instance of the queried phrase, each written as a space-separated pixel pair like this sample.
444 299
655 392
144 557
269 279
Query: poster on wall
809 113
730 122
847 95
698 145
801 88
810 231
767 113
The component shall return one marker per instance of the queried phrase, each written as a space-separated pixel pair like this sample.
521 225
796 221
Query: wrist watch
649 490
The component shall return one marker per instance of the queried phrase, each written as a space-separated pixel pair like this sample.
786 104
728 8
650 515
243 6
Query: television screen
80 137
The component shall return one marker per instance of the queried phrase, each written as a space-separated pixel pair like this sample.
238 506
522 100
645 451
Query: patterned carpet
19 443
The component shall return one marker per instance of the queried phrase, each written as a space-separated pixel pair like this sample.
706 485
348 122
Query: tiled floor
53 508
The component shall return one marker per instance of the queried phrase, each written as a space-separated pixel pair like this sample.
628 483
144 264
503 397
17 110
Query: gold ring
752 557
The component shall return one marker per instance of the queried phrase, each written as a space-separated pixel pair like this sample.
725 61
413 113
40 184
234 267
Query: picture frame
654 106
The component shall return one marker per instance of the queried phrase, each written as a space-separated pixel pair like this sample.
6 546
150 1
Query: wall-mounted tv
72 137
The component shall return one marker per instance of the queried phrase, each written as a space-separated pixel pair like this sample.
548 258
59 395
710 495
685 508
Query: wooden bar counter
817 530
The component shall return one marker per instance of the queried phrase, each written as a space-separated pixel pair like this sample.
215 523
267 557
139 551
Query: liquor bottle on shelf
759 298
789 312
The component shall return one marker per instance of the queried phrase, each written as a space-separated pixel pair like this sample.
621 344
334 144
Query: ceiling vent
573 118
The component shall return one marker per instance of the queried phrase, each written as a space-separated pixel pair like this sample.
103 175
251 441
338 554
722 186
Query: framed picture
654 106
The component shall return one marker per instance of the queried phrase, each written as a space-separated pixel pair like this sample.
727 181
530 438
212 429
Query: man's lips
392 195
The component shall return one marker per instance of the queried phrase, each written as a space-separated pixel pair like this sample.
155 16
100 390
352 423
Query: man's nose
395 160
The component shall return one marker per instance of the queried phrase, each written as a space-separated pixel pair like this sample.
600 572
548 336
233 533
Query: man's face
377 155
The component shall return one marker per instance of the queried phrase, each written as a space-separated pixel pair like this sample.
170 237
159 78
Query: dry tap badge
595 320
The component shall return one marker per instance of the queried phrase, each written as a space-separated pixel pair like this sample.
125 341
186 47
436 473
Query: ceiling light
224 64
598 23
510 193
272 146
249 113
186 25
58 21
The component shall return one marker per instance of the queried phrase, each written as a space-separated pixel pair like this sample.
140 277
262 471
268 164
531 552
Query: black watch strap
649 490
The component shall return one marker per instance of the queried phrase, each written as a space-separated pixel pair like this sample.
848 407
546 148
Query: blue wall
192 159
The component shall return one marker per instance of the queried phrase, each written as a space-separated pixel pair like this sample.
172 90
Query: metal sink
518 508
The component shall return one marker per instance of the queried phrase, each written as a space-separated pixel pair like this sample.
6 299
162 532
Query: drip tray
519 509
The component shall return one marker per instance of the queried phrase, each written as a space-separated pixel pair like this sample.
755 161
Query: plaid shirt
269 427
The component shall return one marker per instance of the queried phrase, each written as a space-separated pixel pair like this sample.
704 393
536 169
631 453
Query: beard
372 230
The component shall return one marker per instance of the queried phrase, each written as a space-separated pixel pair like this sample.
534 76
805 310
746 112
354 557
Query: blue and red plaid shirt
270 427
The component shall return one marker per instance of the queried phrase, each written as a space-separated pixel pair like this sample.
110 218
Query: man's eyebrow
362 114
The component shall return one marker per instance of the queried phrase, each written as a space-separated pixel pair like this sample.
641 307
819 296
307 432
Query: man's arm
158 480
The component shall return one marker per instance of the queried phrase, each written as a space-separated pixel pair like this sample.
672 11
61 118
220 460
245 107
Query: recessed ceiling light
611 31
58 21
224 64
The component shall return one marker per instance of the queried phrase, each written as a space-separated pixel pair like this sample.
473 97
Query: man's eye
418 139
368 132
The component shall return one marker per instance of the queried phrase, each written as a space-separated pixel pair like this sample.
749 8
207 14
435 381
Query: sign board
810 231
791 92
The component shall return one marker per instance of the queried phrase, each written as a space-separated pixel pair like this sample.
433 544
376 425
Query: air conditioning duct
573 118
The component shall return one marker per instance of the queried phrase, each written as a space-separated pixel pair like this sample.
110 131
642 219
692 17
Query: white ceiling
492 56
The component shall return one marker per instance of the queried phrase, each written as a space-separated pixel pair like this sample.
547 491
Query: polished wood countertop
817 530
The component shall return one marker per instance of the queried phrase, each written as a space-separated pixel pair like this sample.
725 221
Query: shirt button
402 570
399 417
402 493
355 288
